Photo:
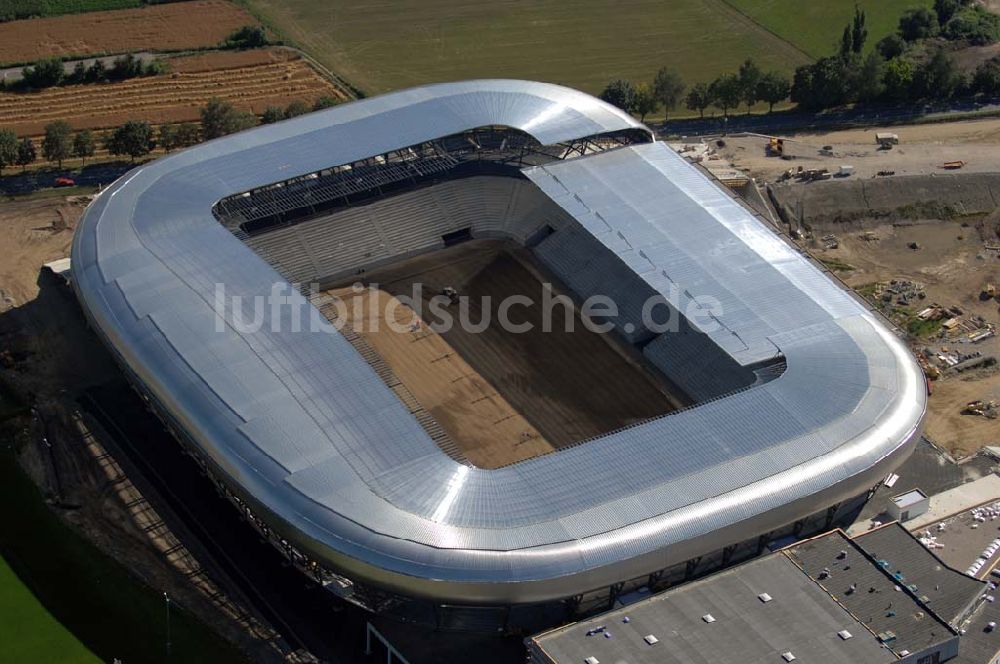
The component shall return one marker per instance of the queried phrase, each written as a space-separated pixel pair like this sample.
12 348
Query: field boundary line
286 41
734 9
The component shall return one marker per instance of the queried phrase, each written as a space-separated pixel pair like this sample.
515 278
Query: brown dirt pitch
501 396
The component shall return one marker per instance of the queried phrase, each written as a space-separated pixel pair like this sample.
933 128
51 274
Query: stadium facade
800 397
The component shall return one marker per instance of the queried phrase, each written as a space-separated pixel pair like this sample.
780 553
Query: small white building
908 505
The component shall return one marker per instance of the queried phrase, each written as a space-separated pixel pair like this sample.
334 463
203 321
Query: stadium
472 480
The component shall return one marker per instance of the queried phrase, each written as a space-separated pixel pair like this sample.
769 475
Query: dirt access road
922 149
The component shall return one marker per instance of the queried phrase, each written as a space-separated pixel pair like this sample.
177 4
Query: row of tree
135 138
50 72
897 70
748 86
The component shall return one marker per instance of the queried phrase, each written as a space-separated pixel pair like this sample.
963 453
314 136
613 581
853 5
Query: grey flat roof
301 425
800 618
948 591
875 601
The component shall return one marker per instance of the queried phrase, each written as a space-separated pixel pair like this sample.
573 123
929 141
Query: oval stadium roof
299 424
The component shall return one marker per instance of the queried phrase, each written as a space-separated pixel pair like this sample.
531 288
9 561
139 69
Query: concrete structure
908 505
801 398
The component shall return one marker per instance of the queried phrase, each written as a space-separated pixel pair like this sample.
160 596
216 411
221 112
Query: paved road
93 175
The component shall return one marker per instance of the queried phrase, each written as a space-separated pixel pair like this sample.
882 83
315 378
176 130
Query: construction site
907 216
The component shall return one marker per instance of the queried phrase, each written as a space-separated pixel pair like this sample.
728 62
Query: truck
886 140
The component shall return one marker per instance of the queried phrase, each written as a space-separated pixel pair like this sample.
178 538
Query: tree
645 101
219 118
937 78
84 145
698 99
917 24
749 77
296 108
324 102
166 138
859 33
133 138
986 80
620 93
272 114
96 72
726 92
668 86
8 149
891 46
249 36
79 74
846 42
974 24
823 84
868 84
25 153
898 79
125 67
43 74
945 9
772 88
57 144
187 134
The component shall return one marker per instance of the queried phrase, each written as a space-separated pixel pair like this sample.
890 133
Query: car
65 182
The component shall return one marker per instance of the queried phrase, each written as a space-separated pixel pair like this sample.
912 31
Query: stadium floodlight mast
166 600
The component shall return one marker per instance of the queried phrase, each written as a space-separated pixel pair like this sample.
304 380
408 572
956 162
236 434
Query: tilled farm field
251 81
170 27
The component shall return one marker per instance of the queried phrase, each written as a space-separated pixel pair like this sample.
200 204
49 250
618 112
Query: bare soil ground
948 265
250 80
167 27
922 149
504 396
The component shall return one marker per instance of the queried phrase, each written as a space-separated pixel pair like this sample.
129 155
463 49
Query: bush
249 36
986 80
917 24
975 25
43 74
891 46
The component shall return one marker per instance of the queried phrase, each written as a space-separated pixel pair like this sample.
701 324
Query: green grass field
62 600
384 45
28 631
816 27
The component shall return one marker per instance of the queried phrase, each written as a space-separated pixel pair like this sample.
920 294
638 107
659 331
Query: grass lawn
62 600
28 631
384 45
816 27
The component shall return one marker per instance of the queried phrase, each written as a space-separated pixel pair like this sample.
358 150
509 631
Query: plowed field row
173 97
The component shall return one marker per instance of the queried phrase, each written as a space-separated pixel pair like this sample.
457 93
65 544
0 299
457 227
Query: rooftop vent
708 617
764 597
788 656
844 634
592 660
650 639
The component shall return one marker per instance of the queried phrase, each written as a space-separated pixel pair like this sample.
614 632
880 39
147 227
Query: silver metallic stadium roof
301 425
